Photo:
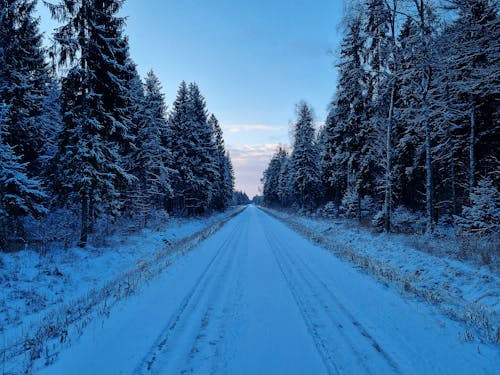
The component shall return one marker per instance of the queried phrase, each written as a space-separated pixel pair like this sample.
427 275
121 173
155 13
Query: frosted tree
20 195
305 174
223 185
228 178
347 133
482 217
204 153
152 158
285 192
420 82
94 133
24 80
270 178
472 59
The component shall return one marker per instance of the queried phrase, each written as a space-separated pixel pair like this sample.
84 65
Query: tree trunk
429 185
85 221
472 141
453 180
388 165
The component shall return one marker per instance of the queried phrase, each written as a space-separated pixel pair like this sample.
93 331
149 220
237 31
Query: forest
411 142
85 142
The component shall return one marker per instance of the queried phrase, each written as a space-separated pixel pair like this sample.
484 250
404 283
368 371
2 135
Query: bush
328 211
406 221
482 217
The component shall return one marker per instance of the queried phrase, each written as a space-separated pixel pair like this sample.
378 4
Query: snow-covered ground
257 298
463 290
37 289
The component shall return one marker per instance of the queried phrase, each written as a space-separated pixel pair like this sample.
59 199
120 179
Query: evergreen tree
222 185
152 158
94 133
228 178
24 80
482 217
346 127
270 179
472 60
305 175
20 195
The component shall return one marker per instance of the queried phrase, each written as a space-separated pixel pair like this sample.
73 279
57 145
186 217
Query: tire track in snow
160 350
317 314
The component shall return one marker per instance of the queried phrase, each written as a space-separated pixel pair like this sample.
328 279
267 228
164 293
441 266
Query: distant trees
97 141
413 124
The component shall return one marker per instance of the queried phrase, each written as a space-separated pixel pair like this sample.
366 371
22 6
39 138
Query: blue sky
254 61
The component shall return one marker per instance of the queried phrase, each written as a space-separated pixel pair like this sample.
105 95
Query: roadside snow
257 298
35 287
463 291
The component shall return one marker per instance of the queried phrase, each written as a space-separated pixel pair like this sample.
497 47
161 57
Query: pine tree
152 158
270 179
94 134
20 195
221 184
346 126
24 80
228 178
305 174
482 217
472 60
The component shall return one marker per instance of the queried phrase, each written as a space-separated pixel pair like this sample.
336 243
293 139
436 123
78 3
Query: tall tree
24 80
305 174
472 58
94 134
20 195
152 157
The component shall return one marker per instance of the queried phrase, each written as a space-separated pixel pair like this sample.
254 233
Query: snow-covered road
257 298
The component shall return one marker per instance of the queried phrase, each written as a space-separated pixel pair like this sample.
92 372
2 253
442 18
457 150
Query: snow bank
48 300
465 292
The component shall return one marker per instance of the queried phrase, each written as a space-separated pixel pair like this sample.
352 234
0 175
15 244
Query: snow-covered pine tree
151 158
24 81
270 178
94 135
305 174
20 195
203 154
482 217
228 178
419 84
333 169
284 180
381 57
346 136
472 60
221 188
179 144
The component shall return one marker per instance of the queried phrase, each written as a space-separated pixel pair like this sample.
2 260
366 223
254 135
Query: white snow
257 298
34 287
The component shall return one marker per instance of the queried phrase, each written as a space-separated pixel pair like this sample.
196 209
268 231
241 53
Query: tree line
414 124
98 140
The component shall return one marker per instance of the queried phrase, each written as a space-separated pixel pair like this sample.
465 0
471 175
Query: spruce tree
305 174
152 158
24 81
94 133
20 195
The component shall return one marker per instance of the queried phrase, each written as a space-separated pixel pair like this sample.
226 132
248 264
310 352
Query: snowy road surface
256 298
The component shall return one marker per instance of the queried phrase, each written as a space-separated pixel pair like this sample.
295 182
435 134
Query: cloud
253 128
249 163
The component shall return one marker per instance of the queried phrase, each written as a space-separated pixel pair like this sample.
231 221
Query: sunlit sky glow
253 60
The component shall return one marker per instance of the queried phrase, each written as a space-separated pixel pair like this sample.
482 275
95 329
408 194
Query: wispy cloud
249 163
253 128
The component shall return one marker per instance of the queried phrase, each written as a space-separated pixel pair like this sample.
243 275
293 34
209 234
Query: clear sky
254 61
